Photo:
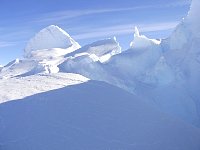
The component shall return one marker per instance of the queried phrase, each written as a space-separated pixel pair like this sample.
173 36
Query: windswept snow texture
49 38
91 116
20 87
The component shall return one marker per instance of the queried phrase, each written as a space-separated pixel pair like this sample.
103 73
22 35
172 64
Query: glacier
105 97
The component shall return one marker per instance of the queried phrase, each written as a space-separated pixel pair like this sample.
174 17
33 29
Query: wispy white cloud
68 14
8 39
6 44
124 29
180 3
16 34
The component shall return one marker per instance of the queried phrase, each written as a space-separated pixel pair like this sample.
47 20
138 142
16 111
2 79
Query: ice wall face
182 53
194 9
48 38
183 46
192 17
188 30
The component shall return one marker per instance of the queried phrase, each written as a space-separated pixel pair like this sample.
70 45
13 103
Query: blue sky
85 20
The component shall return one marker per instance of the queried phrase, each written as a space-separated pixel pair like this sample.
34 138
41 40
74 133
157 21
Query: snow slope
93 115
21 87
16 68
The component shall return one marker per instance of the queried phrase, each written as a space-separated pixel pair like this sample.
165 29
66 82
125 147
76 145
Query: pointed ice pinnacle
137 33
141 41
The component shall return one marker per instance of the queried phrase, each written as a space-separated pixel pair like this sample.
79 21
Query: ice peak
141 41
56 28
48 38
137 33
53 26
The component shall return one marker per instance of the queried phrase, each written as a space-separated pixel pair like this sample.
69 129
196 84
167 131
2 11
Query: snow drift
92 115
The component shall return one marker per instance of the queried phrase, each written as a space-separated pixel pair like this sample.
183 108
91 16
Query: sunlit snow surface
91 116
20 87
